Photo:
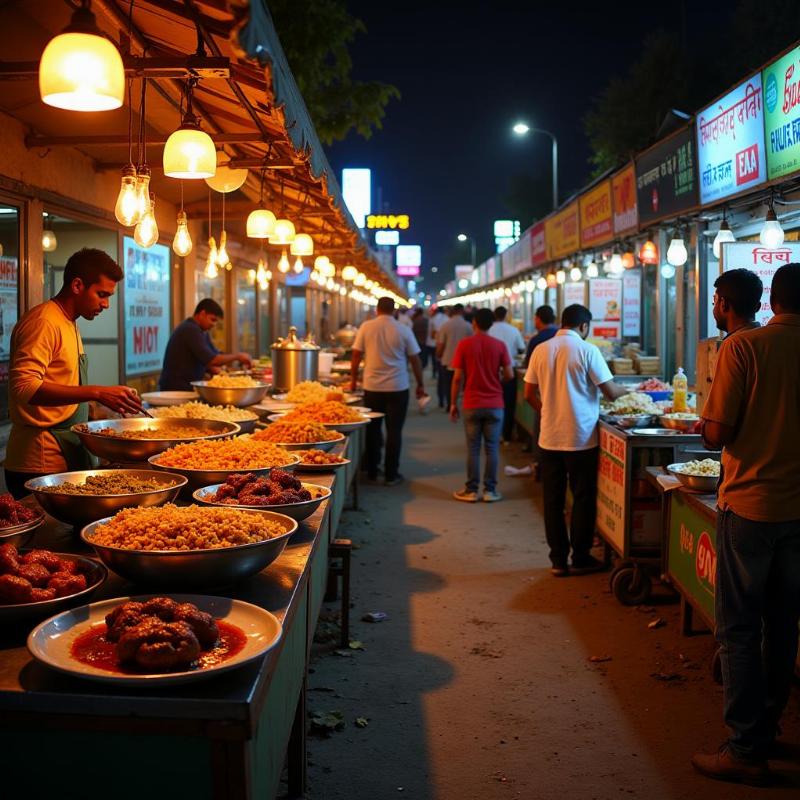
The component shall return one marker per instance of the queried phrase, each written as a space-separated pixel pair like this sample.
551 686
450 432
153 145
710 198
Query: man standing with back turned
753 413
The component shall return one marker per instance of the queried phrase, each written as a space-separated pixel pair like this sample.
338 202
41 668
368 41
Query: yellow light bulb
282 233
182 243
146 232
260 224
49 241
303 245
127 208
298 266
142 191
222 254
283 264
349 273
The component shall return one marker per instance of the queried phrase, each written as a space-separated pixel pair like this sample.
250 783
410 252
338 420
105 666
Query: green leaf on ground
327 721
361 722
356 645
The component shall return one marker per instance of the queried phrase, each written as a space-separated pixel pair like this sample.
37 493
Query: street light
521 129
462 237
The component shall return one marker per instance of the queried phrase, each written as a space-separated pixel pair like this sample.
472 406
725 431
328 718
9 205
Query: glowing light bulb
561 276
222 254
541 284
283 264
49 241
771 235
677 255
724 234
298 266
211 270
182 243
615 265
349 273
575 273
127 208
303 245
282 233
260 224
321 263
592 271
145 234
142 191
667 271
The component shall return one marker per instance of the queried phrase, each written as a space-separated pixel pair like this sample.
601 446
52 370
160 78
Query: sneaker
491 497
466 496
396 481
586 565
725 766
559 570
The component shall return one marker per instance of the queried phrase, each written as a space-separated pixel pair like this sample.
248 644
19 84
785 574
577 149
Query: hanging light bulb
49 241
251 276
592 271
283 232
724 234
223 259
648 253
142 191
561 276
330 270
360 279
127 208
298 266
260 224
342 291
530 285
303 245
314 276
189 152
182 243
628 259
283 264
667 271
771 235
211 270
145 234
330 284
349 273
261 270
615 266
677 255
575 273
541 283
80 69
321 263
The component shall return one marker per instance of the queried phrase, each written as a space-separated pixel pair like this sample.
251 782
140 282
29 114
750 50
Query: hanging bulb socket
126 209
182 243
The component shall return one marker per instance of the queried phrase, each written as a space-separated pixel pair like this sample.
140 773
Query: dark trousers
395 406
579 467
424 355
435 363
15 482
509 407
444 382
757 608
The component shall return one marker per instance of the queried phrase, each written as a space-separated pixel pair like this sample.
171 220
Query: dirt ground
479 684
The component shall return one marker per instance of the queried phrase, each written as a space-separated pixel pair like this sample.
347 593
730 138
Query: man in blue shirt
190 353
545 322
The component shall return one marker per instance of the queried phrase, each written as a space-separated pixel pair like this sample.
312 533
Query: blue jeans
486 424
757 606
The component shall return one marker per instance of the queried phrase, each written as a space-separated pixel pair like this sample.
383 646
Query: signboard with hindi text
623 190
574 293
562 233
631 302
763 261
605 299
597 226
611 485
730 143
538 247
781 81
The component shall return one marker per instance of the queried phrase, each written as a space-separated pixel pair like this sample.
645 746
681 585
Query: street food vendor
48 374
190 353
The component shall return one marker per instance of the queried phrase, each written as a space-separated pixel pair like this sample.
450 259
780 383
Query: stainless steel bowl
20 535
684 425
96 575
700 483
340 427
298 511
79 509
120 450
247 425
221 396
324 446
197 478
630 420
197 569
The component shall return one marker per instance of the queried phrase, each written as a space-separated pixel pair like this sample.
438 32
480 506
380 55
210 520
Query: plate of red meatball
154 639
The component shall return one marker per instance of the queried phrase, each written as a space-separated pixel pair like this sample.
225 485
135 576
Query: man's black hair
575 315
785 290
546 314
210 307
89 264
484 318
386 305
458 308
500 313
742 289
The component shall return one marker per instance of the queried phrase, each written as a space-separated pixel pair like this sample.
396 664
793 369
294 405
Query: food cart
628 507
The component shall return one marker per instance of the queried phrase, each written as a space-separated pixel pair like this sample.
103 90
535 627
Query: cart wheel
618 566
631 586
716 666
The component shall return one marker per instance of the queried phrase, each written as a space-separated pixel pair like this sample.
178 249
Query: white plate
50 642
169 398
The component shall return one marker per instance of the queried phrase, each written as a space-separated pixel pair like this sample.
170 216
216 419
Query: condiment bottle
680 392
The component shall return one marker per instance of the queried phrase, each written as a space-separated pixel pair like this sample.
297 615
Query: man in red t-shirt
478 363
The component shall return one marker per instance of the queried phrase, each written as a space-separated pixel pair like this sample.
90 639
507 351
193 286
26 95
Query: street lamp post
521 129
462 237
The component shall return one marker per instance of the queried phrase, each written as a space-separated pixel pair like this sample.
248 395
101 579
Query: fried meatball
162 607
9 559
226 490
38 595
64 583
14 589
284 479
237 482
44 557
159 645
202 624
121 618
65 565
37 574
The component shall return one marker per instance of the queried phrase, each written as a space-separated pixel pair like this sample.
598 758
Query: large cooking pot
345 336
293 361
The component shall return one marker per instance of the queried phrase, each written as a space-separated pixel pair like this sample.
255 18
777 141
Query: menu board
147 306
632 302
597 226
562 232
9 280
781 81
538 248
574 293
605 299
611 479
666 183
623 190
730 143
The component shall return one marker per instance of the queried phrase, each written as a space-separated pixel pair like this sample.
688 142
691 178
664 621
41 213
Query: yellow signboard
562 233
399 222
596 218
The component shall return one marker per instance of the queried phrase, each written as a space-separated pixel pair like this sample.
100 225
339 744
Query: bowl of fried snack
189 546
18 521
319 461
332 414
246 420
280 491
299 435
700 475
231 390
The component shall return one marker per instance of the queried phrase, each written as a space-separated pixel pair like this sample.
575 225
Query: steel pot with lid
293 361
345 336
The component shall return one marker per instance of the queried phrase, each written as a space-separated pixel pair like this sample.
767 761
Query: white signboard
730 142
147 306
611 478
764 262
9 280
632 303
574 293
357 193
605 299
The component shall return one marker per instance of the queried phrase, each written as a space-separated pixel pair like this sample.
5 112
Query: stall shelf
225 737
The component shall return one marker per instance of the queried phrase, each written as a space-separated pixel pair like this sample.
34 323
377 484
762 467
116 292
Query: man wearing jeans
477 363
753 412
388 348
512 338
563 383
447 338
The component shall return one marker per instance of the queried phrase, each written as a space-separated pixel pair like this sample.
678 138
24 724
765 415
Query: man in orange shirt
753 412
48 374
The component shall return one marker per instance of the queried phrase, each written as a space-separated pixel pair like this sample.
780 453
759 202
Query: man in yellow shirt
48 383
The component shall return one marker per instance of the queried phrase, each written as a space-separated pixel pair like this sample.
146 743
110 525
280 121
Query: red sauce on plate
92 648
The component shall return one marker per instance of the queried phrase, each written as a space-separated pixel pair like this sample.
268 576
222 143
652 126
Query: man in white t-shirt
388 348
438 318
515 344
565 378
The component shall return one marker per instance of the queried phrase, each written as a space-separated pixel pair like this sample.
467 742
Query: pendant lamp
189 152
724 234
261 222
303 245
771 235
349 273
283 233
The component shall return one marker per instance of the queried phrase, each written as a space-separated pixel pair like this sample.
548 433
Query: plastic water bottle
680 392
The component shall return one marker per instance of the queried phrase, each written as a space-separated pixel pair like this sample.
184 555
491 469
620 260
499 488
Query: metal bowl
301 467
700 483
96 575
630 420
325 446
684 425
20 535
247 425
197 478
199 569
298 511
80 509
126 450
341 427
220 396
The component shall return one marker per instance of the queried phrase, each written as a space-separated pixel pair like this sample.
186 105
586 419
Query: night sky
467 73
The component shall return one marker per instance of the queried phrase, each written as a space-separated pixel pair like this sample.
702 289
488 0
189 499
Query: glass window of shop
63 237
215 289
9 293
245 310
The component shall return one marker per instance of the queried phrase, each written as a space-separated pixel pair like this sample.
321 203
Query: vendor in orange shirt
48 374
